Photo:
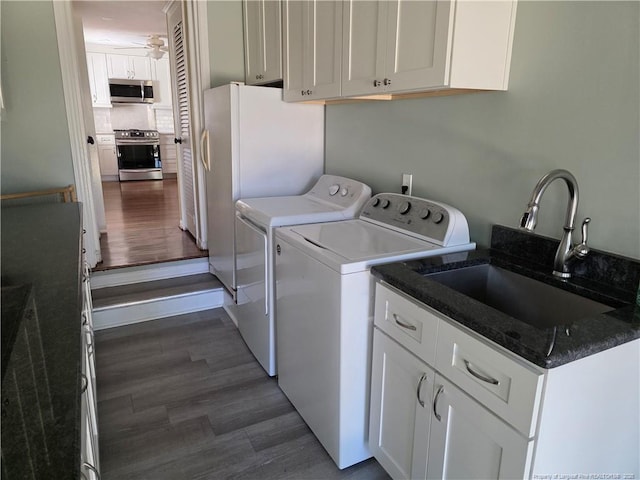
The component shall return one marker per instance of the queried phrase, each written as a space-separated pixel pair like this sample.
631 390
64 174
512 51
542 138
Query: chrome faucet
566 252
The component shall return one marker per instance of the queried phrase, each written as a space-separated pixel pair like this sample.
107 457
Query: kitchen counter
41 328
605 278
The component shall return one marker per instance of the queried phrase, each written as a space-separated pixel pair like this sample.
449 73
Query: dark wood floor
183 398
143 225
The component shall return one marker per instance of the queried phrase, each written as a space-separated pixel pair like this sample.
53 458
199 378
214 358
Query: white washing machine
332 198
325 308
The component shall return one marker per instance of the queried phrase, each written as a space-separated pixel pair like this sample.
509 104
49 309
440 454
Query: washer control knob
344 191
376 202
438 217
385 203
404 208
424 213
333 189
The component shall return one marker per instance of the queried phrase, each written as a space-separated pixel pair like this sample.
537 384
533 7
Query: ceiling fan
155 46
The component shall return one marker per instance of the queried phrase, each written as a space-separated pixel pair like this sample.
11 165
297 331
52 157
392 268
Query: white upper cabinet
161 76
98 79
312 37
395 46
262 41
128 66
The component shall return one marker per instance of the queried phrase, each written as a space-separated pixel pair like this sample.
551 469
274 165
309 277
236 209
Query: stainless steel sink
523 298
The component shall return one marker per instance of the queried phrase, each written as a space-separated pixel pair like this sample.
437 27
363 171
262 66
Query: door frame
197 51
71 86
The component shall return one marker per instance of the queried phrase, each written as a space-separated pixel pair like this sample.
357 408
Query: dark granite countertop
41 391
605 278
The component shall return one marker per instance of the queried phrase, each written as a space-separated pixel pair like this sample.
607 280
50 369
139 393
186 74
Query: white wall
36 151
573 103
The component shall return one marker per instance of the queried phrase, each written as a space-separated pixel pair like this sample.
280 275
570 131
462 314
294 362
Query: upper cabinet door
118 66
417 45
140 68
364 48
160 74
128 66
312 49
263 41
98 79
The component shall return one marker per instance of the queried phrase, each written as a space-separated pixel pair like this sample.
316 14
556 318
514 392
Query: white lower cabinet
468 441
401 390
449 404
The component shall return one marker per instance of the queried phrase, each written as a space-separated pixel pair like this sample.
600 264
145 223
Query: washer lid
357 240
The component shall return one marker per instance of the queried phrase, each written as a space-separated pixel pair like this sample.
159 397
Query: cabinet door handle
490 380
422 379
85 383
387 81
435 403
403 324
376 83
93 469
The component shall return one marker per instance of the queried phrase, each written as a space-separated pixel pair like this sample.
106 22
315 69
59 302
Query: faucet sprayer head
529 218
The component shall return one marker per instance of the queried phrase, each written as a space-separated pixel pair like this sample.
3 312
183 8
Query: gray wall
36 152
573 103
226 42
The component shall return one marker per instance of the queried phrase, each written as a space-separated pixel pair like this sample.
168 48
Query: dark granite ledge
587 336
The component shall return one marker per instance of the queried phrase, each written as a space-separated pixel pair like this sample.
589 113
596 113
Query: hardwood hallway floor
143 225
183 398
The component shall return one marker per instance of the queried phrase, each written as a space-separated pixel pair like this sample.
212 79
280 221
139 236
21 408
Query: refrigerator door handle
204 150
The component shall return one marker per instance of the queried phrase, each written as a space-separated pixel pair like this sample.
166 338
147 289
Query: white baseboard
148 273
127 314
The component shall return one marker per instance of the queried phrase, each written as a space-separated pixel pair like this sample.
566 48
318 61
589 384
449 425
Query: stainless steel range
138 155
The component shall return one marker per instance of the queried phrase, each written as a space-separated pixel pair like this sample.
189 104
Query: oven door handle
204 150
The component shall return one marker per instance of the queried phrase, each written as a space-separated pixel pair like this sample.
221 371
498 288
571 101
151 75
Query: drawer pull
490 380
422 379
93 469
402 324
435 403
85 383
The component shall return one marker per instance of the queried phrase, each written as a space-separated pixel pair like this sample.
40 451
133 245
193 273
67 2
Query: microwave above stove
123 90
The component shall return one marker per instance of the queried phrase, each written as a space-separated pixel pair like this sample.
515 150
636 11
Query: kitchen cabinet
492 414
90 462
312 39
262 41
161 76
107 156
168 154
128 66
48 388
98 79
468 441
400 415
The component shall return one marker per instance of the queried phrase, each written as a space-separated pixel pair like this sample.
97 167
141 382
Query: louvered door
182 121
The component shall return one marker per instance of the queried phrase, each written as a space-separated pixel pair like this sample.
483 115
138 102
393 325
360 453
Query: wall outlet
407 183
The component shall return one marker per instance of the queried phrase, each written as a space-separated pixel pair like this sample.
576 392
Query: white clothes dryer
325 308
332 198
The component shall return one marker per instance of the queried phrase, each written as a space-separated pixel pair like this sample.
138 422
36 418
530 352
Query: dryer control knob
424 213
376 202
438 218
385 203
344 191
333 189
404 207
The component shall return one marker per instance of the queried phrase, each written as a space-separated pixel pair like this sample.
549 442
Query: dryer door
252 277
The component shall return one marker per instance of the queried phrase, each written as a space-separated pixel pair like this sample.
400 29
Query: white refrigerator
256 145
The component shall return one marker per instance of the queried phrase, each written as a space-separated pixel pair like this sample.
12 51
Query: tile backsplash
123 117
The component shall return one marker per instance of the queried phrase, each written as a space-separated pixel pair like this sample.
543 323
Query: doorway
143 218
